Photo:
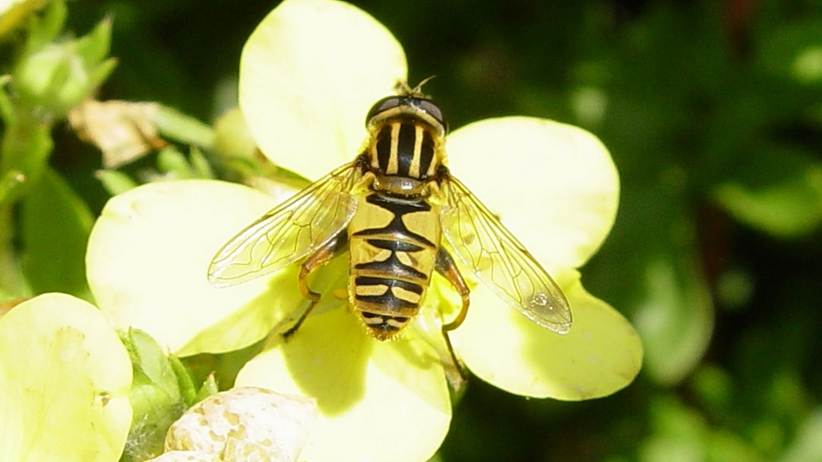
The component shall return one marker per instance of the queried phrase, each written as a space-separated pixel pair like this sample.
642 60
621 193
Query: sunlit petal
308 75
64 383
378 401
148 256
600 355
554 185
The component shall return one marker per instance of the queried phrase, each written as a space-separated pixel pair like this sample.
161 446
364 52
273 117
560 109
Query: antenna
403 88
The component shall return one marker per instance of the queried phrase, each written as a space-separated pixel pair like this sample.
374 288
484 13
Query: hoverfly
389 208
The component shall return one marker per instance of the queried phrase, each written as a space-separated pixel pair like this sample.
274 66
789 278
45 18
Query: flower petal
64 382
377 400
600 355
147 259
554 185
308 75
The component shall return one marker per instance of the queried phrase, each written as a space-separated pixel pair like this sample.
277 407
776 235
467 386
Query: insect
400 214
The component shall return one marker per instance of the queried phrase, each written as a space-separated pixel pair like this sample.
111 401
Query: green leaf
675 319
94 46
45 28
55 226
185 383
778 190
64 379
724 445
678 433
654 247
155 396
199 164
714 388
183 128
792 50
208 388
99 74
807 445
115 182
173 162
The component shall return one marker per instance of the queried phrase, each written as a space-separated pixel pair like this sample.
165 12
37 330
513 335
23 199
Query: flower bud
56 76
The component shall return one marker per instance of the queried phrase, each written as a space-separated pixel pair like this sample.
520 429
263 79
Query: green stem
11 277
24 152
181 127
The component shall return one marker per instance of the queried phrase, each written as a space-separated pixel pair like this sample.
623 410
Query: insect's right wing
500 260
290 231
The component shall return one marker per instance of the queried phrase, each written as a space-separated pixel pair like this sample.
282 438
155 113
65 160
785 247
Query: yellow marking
369 216
378 254
407 295
375 161
435 160
394 323
426 224
406 259
393 161
374 320
414 169
361 252
379 289
398 111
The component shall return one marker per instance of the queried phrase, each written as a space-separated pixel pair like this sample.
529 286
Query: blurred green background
712 111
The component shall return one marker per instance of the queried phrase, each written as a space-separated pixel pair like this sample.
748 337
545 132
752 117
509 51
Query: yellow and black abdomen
393 246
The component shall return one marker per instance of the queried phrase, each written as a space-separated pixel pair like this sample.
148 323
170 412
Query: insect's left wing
290 231
500 260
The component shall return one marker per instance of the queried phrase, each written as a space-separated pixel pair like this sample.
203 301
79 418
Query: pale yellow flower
64 383
309 74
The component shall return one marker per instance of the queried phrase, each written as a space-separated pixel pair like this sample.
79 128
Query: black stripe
393 266
374 281
388 301
405 148
383 330
394 246
384 146
398 206
426 153
396 226
370 315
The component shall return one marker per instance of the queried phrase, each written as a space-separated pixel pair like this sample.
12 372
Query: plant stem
183 128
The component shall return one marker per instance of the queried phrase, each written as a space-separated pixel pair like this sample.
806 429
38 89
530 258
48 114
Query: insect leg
445 266
316 260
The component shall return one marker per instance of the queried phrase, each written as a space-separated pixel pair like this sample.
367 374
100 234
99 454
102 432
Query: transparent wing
290 231
500 260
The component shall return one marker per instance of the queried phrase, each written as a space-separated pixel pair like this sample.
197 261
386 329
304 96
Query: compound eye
382 105
433 110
